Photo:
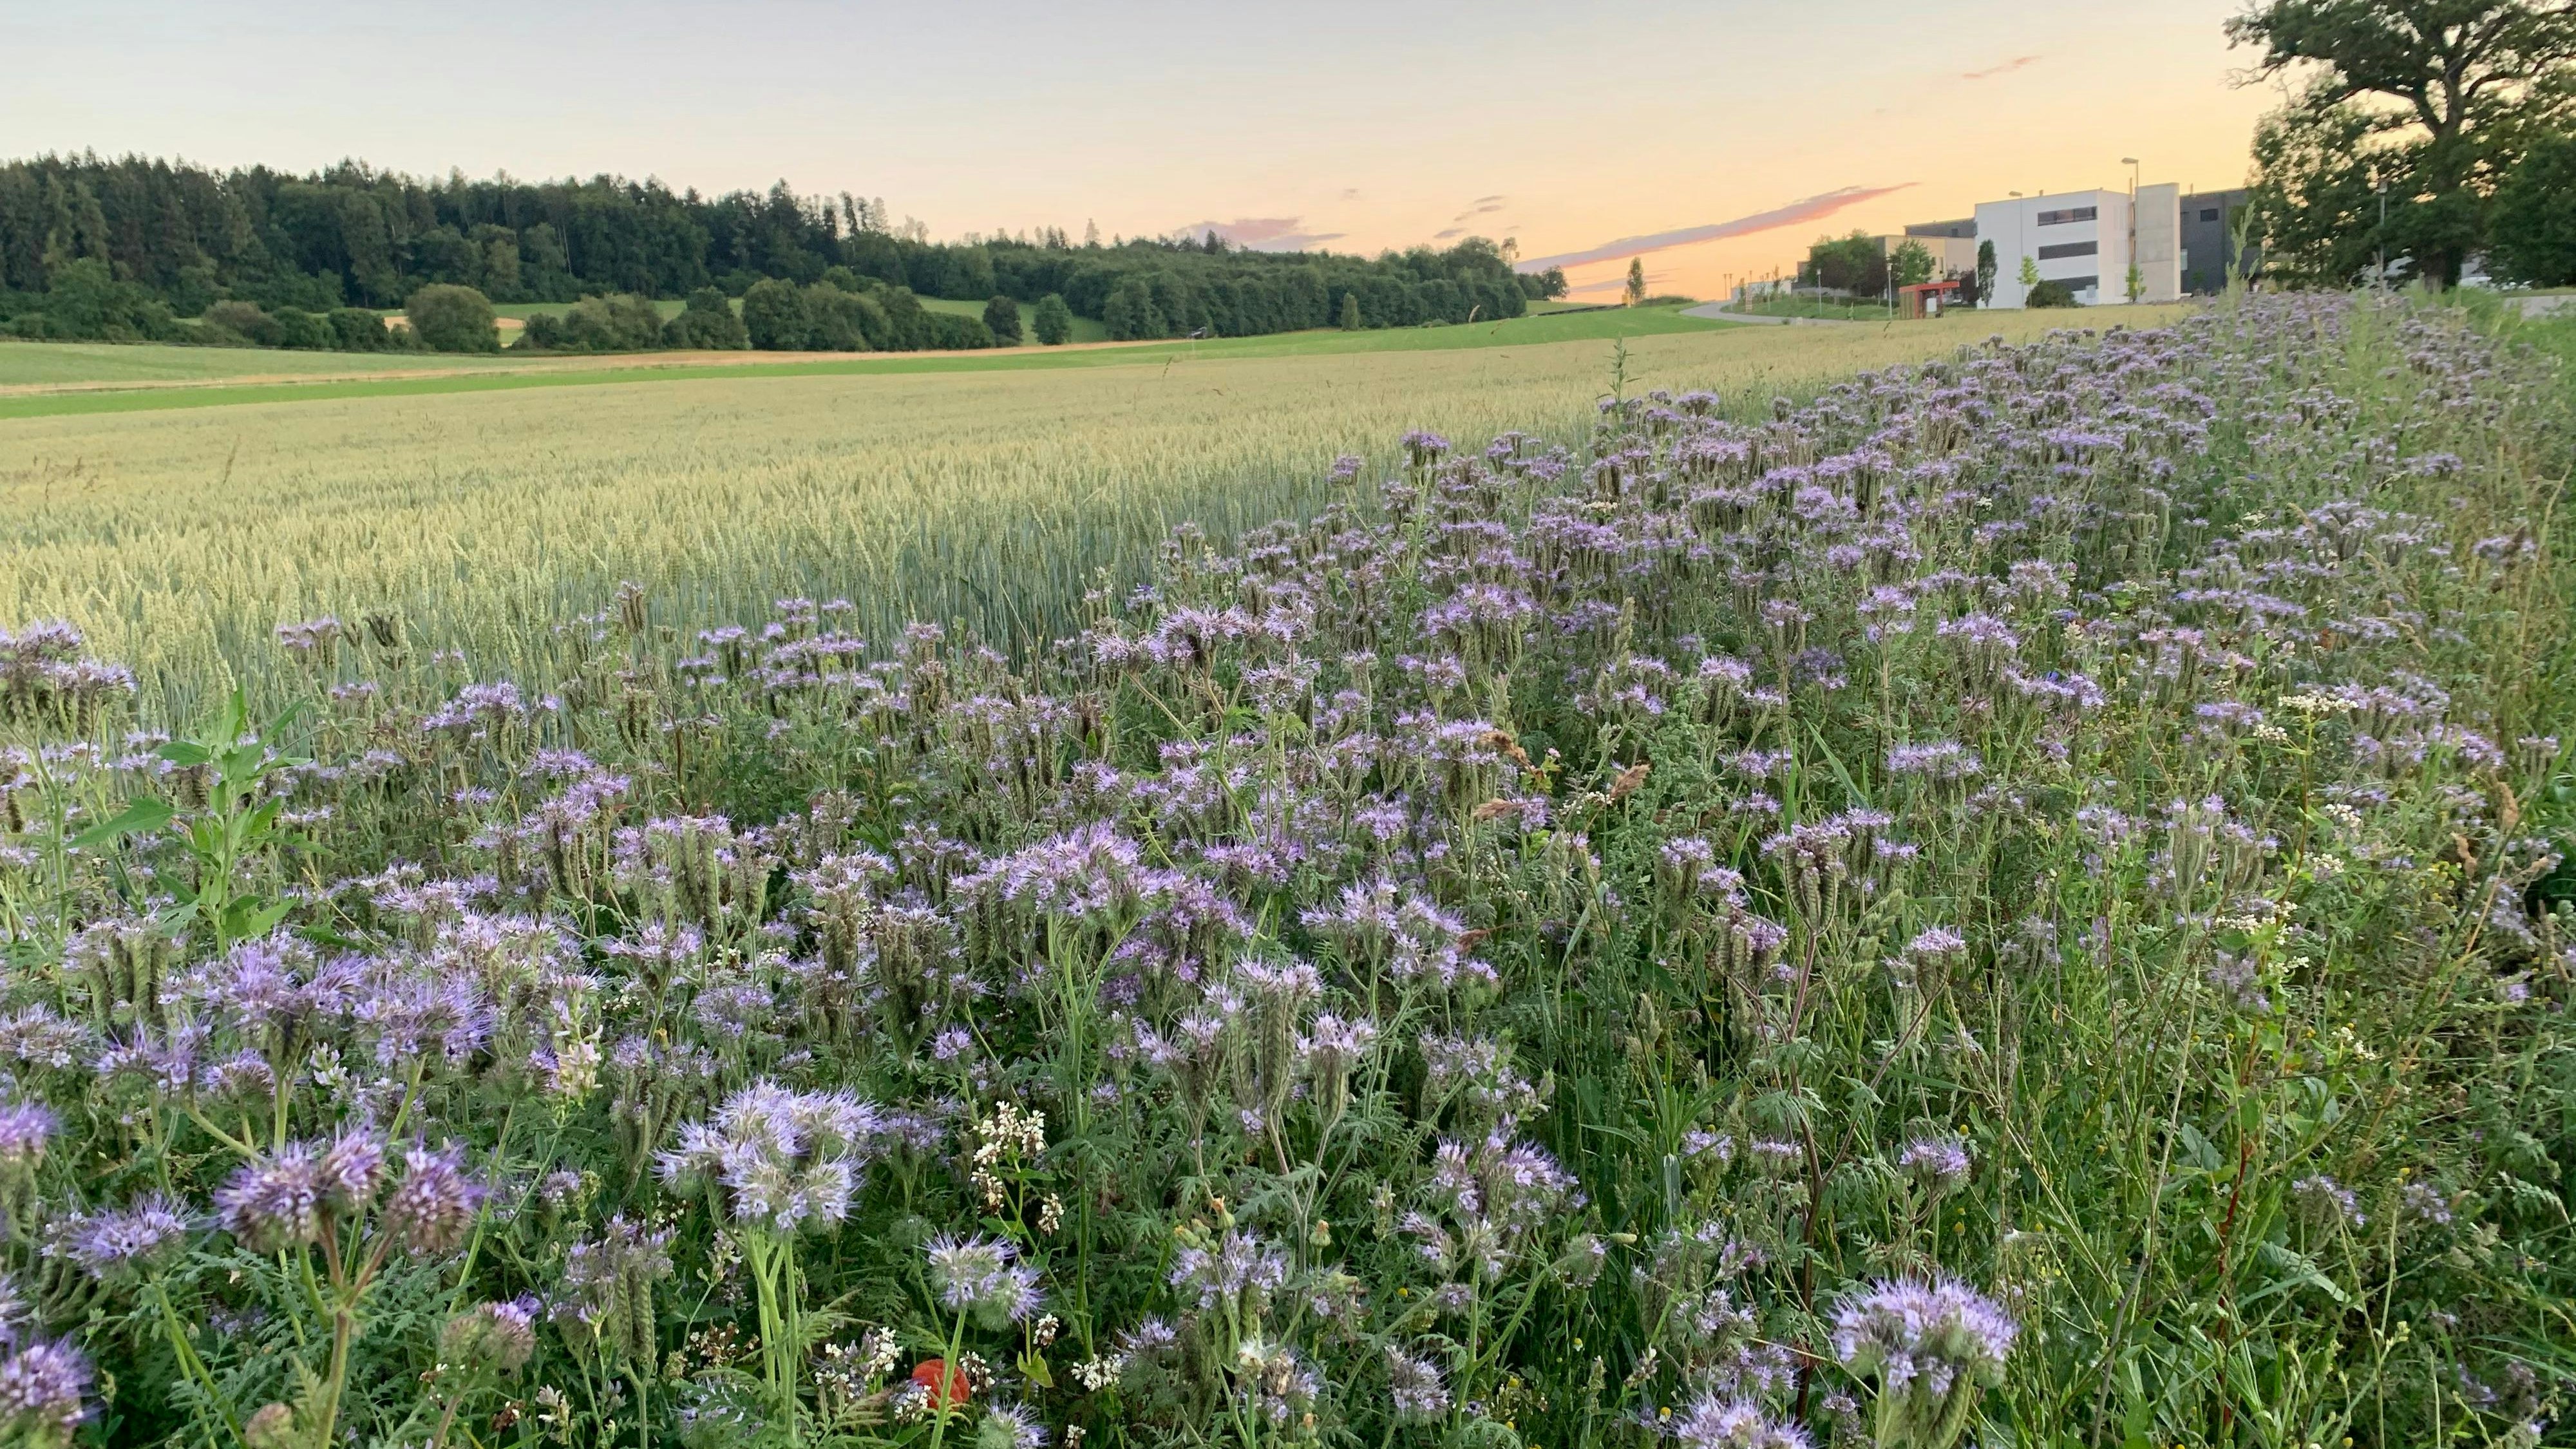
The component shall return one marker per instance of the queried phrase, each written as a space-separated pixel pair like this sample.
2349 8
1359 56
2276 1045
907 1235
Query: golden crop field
178 540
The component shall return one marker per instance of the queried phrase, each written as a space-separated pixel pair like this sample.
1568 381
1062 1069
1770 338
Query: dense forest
165 240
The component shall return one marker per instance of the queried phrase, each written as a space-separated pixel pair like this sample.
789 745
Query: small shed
1926 299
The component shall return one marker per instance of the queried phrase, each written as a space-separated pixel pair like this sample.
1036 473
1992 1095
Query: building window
2079 284
2071 214
2209 213
2070 249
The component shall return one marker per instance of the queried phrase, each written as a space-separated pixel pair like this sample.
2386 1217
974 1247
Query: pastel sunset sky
1716 139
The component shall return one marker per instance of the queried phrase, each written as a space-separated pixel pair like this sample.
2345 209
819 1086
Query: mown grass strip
1518 332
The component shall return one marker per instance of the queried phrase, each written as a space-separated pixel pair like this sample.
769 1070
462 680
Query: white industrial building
2087 240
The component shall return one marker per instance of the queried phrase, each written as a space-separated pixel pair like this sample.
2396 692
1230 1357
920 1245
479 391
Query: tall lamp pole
2132 163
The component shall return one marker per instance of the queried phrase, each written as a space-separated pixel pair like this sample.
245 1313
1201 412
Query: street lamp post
2132 163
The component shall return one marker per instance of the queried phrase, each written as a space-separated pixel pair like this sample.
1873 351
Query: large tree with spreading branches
2427 101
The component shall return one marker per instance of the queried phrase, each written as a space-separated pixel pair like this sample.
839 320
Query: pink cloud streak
2007 68
1809 209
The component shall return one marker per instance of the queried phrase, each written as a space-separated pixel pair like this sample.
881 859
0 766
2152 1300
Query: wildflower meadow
2020 901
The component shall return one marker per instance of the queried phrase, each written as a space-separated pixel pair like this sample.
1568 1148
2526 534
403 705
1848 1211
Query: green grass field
51 364
509 373
1085 329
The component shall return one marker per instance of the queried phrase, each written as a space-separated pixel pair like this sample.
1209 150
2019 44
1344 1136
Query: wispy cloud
2018 62
1809 209
1447 232
1481 206
1263 233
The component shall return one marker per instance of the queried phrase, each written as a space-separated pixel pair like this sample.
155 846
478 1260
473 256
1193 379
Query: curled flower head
25 1130
44 1394
435 1204
1937 1165
496 1336
1235 1264
2428 1203
1417 1388
982 1277
275 1203
1923 1342
1715 1423
1010 1426
789 1161
132 1238
351 1170
2327 1202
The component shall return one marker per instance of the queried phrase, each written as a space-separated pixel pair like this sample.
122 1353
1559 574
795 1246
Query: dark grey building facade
2209 219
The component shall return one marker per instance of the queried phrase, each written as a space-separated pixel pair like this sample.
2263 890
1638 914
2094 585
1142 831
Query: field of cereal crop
993 498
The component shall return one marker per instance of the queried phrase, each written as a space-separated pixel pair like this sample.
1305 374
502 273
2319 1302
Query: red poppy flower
930 1372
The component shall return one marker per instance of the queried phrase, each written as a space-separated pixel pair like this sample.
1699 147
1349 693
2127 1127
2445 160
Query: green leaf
1034 1369
234 719
138 817
241 763
184 753
262 819
258 921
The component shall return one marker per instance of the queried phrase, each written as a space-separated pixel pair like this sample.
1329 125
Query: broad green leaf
139 817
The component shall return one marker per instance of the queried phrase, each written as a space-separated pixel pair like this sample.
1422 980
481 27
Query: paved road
1716 312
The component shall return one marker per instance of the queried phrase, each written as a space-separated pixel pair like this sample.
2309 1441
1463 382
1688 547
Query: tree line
168 240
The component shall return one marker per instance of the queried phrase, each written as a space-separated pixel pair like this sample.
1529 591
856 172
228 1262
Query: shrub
907 323
620 323
449 318
1053 321
84 300
840 320
708 322
240 323
775 318
1002 319
950 332
1349 320
2049 294
302 330
355 329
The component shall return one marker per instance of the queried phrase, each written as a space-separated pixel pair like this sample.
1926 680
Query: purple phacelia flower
435 1204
